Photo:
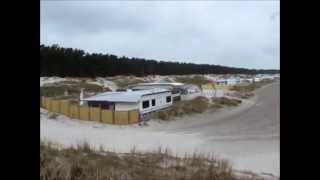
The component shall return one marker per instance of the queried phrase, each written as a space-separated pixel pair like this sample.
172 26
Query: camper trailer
146 101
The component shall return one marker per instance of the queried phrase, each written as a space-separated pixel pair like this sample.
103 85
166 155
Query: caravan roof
126 96
161 83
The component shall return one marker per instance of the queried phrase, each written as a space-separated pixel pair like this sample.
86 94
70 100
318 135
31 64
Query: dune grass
124 82
72 87
247 91
83 163
194 106
196 80
223 101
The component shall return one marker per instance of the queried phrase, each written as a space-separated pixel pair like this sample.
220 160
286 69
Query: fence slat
95 114
121 117
107 116
84 113
55 106
64 108
90 113
74 111
49 104
134 117
44 102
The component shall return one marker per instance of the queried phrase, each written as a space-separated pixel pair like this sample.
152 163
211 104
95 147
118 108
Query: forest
70 62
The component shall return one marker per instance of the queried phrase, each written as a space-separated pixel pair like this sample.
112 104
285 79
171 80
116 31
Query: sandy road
247 135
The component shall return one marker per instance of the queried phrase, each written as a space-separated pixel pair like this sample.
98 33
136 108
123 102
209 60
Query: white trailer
145 101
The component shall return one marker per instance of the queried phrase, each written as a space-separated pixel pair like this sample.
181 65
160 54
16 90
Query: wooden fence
76 111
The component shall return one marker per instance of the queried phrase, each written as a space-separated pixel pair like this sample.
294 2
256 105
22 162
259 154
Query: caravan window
145 104
168 99
153 102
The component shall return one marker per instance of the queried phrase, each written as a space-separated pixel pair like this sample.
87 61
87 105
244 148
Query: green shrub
199 104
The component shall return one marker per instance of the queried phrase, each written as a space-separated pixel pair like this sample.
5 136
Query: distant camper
256 79
227 82
166 85
189 91
246 80
209 90
180 91
145 101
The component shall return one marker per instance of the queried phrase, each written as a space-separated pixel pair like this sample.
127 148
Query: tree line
59 61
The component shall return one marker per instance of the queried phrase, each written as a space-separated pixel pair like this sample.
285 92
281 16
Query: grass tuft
247 91
72 87
83 164
196 80
52 115
194 106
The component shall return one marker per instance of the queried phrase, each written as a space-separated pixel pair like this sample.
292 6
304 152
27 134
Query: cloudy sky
232 33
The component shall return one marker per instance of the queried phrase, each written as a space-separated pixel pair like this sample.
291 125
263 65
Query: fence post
128 112
50 104
69 110
59 106
79 109
113 118
100 113
89 112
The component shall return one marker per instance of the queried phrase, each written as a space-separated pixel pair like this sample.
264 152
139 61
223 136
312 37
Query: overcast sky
232 33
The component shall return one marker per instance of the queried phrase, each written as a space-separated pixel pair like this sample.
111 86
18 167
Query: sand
247 135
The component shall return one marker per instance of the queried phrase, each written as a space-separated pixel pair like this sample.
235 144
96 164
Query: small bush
164 115
53 115
85 147
246 95
216 106
181 108
223 101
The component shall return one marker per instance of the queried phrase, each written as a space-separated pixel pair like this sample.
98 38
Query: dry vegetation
247 91
124 81
168 80
223 101
72 87
53 115
82 163
197 105
197 80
